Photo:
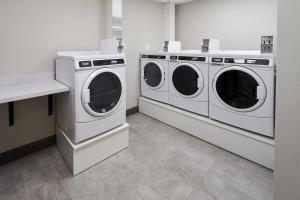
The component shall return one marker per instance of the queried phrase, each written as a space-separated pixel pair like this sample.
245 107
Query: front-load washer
154 76
188 81
242 90
97 99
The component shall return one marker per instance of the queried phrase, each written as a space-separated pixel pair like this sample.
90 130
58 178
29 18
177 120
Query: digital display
258 61
189 58
108 62
157 57
218 60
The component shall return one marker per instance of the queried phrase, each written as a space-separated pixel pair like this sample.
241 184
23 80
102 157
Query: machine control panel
247 61
192 58
108 62
241 61
161 57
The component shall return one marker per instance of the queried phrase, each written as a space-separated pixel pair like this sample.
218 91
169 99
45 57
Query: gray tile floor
161 163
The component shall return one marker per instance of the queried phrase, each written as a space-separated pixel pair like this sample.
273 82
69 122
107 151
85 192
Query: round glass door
153 75
187 80
239 89
101 92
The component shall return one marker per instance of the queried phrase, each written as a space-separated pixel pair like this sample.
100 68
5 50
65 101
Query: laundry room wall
237 24
142 27
32 31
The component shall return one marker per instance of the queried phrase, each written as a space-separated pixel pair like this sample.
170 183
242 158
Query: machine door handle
199 82
260 92
86 96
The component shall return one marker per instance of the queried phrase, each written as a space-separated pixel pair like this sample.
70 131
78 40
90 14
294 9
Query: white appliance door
187 80
154 76
101 92
239 89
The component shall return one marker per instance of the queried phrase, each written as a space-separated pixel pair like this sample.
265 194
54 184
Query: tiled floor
161 163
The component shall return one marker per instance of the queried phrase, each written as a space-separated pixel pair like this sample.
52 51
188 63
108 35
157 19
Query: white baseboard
254 147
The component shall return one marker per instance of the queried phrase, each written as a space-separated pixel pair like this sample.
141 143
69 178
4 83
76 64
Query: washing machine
188 81
154 76
96 102
242 86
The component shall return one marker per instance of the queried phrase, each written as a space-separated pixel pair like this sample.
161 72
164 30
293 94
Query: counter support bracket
50 104
11 93
11 113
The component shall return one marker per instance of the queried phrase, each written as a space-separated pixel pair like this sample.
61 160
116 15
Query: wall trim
132 110
26 149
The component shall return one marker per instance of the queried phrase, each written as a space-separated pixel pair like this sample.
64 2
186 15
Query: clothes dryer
154 76
188 81
97 99
242 86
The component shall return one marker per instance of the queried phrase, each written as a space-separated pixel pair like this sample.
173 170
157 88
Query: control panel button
239 60
83 64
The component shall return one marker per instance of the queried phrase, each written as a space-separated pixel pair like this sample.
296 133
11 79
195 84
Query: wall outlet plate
267 44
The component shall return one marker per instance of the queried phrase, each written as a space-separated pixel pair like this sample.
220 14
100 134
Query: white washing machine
154 76
242 88
188 81
97 99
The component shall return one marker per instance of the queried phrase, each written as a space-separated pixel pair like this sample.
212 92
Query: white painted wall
33 30
238 24
31 33
287 156
142 26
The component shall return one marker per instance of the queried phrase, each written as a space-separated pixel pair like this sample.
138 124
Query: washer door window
101 92
153 75
239 89
187 80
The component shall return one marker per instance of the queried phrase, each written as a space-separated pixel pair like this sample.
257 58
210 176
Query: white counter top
20 91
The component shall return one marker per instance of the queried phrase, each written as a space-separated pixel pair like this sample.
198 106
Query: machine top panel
87 55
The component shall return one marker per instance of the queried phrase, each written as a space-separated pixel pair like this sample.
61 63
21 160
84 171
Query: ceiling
175 1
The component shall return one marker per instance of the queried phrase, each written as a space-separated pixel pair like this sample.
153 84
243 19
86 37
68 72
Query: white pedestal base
243 143
84 155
